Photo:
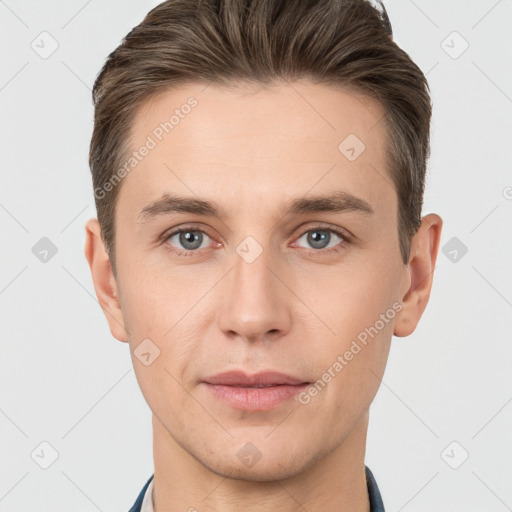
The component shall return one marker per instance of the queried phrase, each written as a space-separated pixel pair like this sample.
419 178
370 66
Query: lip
257 392
239 378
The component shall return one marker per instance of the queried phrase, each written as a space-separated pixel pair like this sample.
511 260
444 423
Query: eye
188 240
323 238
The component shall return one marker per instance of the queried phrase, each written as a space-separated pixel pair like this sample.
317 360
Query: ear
420 274
104 281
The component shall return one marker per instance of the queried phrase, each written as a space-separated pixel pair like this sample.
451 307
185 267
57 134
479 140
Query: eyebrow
339 201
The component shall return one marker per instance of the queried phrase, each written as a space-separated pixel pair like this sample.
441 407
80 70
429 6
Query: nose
255 303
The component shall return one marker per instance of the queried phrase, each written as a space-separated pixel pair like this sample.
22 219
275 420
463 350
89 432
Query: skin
294 309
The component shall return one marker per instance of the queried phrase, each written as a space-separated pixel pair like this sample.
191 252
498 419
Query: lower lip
255 399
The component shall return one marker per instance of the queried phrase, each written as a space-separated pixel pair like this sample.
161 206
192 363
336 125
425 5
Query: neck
333 483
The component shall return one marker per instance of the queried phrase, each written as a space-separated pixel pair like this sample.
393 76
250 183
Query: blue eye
189 239
320 238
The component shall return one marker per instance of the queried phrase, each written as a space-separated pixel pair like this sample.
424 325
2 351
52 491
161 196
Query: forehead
250 141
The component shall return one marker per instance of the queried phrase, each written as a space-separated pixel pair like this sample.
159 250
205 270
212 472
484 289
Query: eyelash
346 239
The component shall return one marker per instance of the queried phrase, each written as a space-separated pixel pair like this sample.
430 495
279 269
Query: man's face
259 288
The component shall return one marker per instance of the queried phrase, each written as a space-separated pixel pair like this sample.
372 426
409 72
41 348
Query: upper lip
239 378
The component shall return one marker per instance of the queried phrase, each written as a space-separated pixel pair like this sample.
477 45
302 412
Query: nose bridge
251 269
253 300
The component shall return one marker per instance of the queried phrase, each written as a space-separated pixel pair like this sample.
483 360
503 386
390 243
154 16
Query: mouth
256 392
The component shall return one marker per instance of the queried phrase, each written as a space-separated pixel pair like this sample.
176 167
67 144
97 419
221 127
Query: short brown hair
342 43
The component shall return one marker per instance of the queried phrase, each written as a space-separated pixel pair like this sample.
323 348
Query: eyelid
345 234
186 227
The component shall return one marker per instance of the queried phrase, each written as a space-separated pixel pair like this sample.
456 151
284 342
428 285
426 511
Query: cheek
357 307
165 308
350 363
353 299
150 299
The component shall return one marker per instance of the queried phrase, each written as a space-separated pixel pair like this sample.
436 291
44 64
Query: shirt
144 502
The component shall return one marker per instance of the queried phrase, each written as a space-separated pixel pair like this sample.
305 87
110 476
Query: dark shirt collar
376 504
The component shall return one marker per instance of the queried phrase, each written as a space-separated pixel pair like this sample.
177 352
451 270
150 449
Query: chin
260 473
265 467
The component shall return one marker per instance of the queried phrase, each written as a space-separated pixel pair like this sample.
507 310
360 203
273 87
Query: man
258 168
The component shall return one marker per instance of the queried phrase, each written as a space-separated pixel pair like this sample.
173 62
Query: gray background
64 380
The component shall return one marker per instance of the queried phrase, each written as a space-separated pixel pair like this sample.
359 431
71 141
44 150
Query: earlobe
104 281
424 249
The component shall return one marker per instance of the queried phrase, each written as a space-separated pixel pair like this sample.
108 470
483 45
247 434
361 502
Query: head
288 141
